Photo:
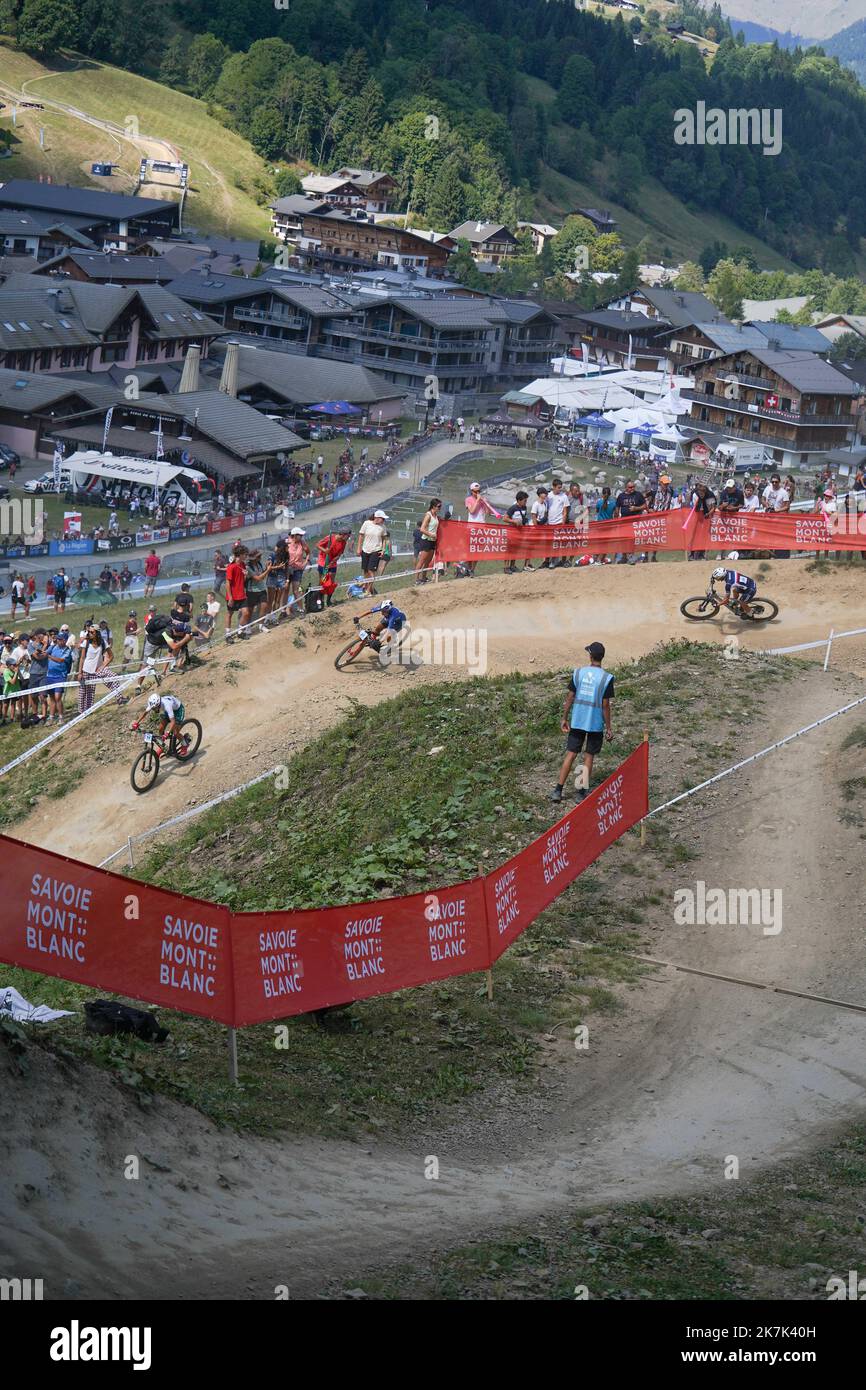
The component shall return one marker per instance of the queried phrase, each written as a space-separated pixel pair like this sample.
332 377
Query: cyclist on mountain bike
738 587
392 621
171 716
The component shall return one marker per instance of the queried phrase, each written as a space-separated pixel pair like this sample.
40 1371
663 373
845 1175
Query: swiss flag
771 402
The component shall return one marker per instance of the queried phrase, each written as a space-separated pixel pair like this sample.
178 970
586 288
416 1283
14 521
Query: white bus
171 484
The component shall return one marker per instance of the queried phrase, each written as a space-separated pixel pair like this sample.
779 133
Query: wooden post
643 822
233 1056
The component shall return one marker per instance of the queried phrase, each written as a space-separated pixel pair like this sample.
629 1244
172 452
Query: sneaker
556 794
582 793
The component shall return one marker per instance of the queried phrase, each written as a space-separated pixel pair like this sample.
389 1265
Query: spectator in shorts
278 581
478 509
219 570
257 586
152 567
331 547
60 656
298 558
371 541
60 586
518 515
236 592
586 718
429 529
130 639
19 596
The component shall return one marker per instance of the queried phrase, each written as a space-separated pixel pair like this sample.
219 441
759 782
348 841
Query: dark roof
624 320
730 337
807 372
16 265
481 231
15 223
300 202
308 380
792 337
855 370
85 202
77 312
114 266
29 391
683 308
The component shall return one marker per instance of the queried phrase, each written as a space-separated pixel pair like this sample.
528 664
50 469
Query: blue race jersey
394 619
742 581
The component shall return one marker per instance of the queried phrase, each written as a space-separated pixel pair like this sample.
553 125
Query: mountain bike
761 610
183 745
390 651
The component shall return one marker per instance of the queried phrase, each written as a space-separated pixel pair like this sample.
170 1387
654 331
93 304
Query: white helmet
386 604
153 701
719 573
734 555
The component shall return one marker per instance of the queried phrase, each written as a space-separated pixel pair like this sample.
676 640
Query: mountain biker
737 586
171 714
392 621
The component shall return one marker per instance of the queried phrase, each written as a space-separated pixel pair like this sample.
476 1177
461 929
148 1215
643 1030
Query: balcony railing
271 316
797 440
434 344
792 417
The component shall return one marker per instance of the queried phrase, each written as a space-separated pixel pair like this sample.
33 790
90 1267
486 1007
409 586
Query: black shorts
235 605
576 737
370 562
426 546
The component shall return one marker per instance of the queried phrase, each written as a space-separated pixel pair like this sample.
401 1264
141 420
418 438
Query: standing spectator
751 500
31 591
777 499
429 529
331 547
60 591
91 659
20 598
257 586
630 502
518 515
539 513
60 656
586 718
297 560
704 504
125 582
130 639
236 592
219 570
105 579
605 507
478 509
371 543
38 669
152 566
557 512
278 579
732 498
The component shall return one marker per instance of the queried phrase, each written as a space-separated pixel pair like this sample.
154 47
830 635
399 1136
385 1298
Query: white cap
297 531
473 486
733 554
382 516
730 483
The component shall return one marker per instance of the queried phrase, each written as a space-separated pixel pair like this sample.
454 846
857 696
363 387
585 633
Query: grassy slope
223 165
675 231
406 1056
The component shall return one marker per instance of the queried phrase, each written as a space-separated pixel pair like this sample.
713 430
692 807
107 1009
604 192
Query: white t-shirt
775 497
539 512
556 505
372 537
751 504
19 588
213 609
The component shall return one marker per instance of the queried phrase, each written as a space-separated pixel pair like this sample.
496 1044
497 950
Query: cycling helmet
734 555
386 604
132 613
153 701
719 573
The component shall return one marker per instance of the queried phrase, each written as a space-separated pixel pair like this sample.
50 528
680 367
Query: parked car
44 483
4 492
8 456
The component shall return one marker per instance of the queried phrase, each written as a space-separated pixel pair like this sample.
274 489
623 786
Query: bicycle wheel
191 728
145 771
762 610
699 609
350 653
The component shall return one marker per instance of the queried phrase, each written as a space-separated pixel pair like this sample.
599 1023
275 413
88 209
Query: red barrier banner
681 530
291 962
524 886
61 917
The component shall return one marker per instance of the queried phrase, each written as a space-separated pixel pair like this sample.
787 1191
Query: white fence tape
64 728
810 646
789 738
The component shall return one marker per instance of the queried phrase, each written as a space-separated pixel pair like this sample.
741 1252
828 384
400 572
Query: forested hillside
444 93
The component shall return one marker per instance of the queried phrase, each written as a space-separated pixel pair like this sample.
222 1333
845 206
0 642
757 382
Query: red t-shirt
331 548
236 581
151 566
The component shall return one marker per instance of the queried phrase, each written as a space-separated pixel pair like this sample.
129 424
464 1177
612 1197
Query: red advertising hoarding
523 887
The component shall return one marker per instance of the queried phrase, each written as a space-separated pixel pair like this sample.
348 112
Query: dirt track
215 1216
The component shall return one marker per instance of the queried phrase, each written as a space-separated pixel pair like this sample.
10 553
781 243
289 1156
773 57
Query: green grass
397 824
227 178
675 232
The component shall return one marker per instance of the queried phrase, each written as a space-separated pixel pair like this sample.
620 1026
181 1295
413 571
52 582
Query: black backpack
157 626
106 1017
